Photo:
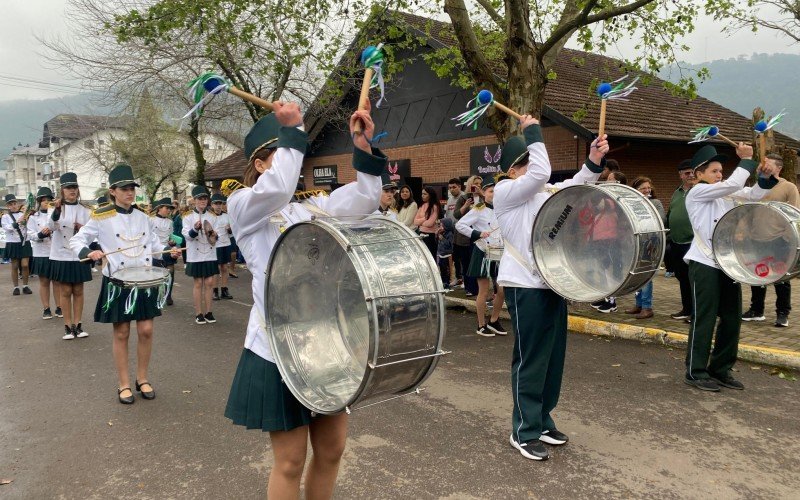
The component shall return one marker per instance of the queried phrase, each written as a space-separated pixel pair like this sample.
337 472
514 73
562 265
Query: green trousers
713 295
539 319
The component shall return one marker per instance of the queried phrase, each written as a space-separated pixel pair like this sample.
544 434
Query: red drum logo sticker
585 216
762 270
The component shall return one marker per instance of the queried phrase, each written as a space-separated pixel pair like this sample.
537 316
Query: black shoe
151 394
680 315
210 318
751 315
128 400
484 332
79 333
609 307
200 319
496 327
554 437
534 450
46 314
26 290
69 334
729 382
59 314
782 321
598 304
16 291
169 301
225 294
704 384
216 294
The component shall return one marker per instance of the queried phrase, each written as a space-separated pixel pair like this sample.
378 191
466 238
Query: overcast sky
21 19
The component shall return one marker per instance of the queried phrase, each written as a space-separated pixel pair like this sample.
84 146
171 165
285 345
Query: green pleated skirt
260 400
479 267
146 305
202 269
18 250
40 266
70 271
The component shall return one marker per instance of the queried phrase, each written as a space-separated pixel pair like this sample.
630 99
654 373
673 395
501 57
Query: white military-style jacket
40 243
518 201
62 224
478 220
114 228
163 228
390 213
221 227
198 248
254 211
12 234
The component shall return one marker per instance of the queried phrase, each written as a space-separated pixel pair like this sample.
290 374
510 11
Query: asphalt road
636 430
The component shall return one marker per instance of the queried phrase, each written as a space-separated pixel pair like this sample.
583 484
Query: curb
755 354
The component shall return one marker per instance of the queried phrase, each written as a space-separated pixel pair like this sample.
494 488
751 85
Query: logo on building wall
399 170
485 159
325 175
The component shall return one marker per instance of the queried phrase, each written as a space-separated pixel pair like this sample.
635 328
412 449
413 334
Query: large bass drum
356 311
595 241
758 243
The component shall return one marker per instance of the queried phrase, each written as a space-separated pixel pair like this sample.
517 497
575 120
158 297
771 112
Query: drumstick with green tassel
208 85
372 59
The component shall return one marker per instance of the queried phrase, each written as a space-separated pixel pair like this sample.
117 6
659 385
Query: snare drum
595 241
356 311
758 243
140 277
493 253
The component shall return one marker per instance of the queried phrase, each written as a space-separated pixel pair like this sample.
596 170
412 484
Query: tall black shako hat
199 191
44 192
10 198
121 176
68 179
263 135
218 198
705 155
387 182
488 180
163 202
514 151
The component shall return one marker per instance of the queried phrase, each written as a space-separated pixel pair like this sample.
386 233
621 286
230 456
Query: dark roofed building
648 133
73 127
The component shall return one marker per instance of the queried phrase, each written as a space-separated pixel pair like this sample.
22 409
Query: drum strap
703 247
516 255
315 210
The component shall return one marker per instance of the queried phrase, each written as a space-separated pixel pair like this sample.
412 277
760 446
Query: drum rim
793 224
372 357
631 217
140 284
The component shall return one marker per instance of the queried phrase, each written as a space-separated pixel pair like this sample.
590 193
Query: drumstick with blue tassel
761 127
711 131
478 106
205 87
617 90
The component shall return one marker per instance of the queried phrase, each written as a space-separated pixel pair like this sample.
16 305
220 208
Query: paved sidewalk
666 301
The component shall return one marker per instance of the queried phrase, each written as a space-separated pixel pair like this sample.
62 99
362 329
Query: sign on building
325 175
399 170
484 160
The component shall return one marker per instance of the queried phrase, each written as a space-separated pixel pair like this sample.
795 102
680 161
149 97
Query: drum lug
403 295
381 365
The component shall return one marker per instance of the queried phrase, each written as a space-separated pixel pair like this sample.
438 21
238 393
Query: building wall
23 171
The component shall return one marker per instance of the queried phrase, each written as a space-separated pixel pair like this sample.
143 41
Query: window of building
89 144
206 145
101 142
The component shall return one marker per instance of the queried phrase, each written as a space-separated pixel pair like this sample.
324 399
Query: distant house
23 170
83 144
648 133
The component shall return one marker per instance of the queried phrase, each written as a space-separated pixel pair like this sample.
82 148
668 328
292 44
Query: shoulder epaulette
104 212
228 186
304 195
479 206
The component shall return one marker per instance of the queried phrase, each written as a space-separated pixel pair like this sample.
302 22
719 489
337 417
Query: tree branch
471 51
496 17
566 27
618 11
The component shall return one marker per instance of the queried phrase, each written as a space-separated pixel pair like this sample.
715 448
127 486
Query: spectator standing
680 236
644 296
462 246
427 218
455 193
786 192
444 250
406 207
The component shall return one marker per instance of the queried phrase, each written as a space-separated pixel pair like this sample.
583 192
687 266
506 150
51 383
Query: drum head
144 275
590 242
319 329
757 243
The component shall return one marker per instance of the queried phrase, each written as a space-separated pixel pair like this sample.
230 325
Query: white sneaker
68 335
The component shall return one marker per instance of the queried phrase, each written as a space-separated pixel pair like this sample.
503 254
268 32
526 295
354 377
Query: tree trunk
194 136
527 79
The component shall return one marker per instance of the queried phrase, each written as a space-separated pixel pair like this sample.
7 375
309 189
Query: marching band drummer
388 191
258 399
480 225
66 216
18 248
163 227
538 315
118 225
714 293
39 236
201 255
222 226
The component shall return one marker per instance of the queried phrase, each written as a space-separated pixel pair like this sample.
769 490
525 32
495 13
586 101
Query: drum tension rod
404 295
351 245
381 365
348 410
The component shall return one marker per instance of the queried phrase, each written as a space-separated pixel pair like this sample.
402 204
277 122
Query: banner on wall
325 175
484 160
399 170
